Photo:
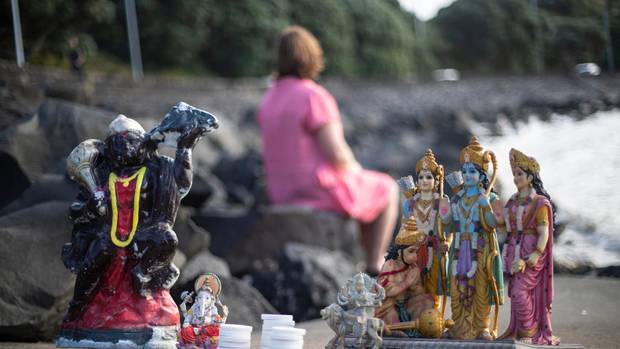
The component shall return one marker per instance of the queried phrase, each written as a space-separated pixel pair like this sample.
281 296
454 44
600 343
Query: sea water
580 168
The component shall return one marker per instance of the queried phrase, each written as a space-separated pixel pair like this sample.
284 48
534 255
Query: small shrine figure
474 267
122 244
354 312
201 324
527 221
401 276
422 202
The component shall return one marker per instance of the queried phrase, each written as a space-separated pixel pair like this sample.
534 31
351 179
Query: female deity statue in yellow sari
474 265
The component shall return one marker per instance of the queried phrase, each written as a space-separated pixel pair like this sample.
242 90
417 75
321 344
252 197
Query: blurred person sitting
77 56
307 159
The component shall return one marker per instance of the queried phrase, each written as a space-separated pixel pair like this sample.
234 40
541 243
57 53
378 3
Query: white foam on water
580 168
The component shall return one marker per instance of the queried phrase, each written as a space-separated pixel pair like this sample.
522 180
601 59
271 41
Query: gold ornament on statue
210 280
427 162
409 234
80 165
475 154
518 159
429 324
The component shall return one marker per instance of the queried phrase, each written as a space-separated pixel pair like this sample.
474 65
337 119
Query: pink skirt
362 195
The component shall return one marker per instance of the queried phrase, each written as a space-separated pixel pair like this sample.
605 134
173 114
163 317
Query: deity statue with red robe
123 243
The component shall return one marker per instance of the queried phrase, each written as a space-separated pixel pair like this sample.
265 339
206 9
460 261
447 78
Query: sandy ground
586 311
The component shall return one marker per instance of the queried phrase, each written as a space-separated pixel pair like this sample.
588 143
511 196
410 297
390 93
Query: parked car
587 69
446 75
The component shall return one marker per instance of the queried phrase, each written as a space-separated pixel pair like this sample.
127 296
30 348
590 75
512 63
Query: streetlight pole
538 57
17 30
134 40
609 48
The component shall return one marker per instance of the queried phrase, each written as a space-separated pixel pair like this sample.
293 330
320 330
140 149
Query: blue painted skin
471 180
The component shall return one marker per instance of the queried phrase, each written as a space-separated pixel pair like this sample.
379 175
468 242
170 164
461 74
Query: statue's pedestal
155 337
419 343
118 317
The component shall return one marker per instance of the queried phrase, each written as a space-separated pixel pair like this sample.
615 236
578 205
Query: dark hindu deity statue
122 243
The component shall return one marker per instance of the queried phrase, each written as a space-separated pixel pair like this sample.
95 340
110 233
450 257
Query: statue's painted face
471 176
126 149
520 178
426 181
410 255
204 301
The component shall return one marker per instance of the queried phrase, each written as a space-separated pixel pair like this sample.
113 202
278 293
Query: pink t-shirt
298 172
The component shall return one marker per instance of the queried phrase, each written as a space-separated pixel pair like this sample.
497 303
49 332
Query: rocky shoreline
275 256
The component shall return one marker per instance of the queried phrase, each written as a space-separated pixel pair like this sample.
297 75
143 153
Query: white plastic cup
234 337
287 337
288 345
267 325
276 317
287 333
270 321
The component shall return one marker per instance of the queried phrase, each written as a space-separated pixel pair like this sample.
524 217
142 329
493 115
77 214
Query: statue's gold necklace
112 180
423 210
467 206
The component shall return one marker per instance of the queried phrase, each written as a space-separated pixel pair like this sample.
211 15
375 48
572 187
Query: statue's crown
427 162
518 159
124 124
409 234
475 154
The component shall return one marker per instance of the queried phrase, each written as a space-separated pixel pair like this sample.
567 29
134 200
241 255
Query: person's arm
331 141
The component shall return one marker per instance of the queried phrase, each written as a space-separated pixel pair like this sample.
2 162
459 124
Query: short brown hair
298 53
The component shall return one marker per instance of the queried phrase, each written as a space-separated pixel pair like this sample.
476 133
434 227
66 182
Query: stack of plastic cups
234 337
287 337
270 321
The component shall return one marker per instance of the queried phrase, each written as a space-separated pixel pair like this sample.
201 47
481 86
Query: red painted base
117 306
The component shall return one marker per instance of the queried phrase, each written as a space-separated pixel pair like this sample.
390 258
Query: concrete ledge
159 337
419 343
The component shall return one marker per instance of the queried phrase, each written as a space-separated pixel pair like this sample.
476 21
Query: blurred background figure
77 56
307 159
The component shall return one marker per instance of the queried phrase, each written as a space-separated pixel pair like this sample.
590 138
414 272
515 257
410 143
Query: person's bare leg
376 235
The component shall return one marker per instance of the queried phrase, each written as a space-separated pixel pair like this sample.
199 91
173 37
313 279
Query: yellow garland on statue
136 204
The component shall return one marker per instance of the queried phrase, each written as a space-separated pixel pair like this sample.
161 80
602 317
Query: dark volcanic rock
242 177
245 303
307 280
37 145
245 240
20 95
206 189
180 259
35 287
202 263
192 238
573 267
229 228
48 187
13 179
610 271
